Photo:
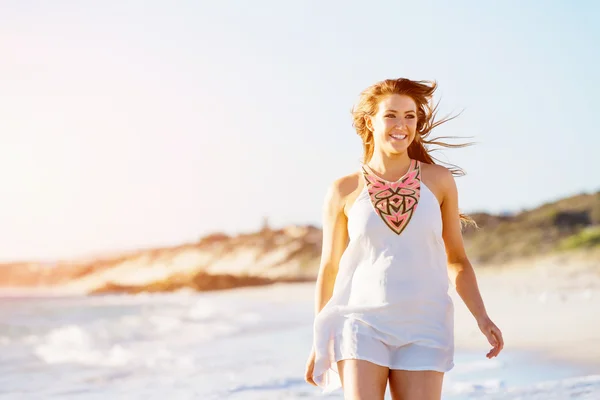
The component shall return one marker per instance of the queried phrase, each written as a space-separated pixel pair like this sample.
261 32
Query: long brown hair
421 92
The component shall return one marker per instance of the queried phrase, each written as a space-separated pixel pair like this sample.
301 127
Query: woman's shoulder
436 173
437 178
434 169
342 188
347 184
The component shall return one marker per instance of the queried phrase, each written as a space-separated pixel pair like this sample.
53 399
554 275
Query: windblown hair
421 92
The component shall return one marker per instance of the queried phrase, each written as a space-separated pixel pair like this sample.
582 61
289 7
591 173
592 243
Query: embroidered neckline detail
395 202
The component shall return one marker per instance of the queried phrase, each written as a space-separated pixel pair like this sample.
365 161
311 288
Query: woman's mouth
398 136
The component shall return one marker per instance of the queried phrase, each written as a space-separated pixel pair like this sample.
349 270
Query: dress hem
423 368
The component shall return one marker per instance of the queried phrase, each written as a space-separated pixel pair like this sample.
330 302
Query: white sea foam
72 344
473 388
583 387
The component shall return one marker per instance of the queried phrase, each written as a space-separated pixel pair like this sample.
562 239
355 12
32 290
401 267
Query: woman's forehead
397 102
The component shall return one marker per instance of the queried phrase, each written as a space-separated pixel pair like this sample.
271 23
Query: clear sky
144 123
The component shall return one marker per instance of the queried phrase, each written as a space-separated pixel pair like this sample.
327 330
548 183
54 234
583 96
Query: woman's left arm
460 270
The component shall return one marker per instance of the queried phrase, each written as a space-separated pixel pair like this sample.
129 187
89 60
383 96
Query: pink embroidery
395 202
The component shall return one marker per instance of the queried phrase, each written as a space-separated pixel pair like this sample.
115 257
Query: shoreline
546 309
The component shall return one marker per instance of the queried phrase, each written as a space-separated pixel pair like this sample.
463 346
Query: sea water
238 344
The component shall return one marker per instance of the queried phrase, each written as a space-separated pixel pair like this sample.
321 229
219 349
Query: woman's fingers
308 374
498 335
495 338
309 379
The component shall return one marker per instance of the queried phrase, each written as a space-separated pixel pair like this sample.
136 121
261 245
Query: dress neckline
414 164
395 202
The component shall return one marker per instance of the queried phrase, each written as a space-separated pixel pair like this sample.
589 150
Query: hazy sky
142 123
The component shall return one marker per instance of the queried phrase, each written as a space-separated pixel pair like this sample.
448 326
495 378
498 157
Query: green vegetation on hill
588 238
567 224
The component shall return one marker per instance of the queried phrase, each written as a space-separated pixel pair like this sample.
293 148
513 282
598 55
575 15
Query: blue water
241 344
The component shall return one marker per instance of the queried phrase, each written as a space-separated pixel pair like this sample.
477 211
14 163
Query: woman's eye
410 116
390 115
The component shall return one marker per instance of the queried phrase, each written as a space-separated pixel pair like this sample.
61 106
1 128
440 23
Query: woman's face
395 123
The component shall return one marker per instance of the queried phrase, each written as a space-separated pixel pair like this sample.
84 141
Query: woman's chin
399 148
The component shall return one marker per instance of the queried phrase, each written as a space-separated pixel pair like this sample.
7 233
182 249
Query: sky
134 124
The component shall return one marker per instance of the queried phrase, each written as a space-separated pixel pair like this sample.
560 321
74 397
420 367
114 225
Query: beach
252 343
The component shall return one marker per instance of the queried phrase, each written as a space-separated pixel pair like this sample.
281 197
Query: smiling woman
391 238
413 101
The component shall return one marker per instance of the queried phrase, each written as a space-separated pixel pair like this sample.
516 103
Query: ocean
238 344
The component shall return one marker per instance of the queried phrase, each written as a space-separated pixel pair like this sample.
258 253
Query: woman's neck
389 167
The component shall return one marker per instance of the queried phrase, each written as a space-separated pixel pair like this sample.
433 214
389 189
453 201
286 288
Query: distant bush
584 239
566 220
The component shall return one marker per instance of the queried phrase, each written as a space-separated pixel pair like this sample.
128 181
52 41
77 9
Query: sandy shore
549 308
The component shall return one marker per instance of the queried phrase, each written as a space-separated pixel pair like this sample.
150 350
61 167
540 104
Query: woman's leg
416 385
363 380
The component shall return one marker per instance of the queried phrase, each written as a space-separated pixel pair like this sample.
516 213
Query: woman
391 239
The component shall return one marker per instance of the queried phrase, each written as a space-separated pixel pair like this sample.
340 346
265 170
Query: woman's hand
493 335
310 366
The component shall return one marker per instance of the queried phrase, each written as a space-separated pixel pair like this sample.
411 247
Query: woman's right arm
335 240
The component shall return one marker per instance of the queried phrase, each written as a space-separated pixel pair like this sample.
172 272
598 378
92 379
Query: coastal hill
566 225
219 261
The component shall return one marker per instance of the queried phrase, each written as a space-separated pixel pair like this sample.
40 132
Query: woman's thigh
363 380
416 385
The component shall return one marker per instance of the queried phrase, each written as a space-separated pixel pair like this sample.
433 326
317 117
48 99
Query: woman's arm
460 270
335 240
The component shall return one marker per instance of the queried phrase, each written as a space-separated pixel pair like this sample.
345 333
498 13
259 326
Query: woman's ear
369 122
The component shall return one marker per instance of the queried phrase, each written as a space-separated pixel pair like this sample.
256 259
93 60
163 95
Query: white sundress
390 304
